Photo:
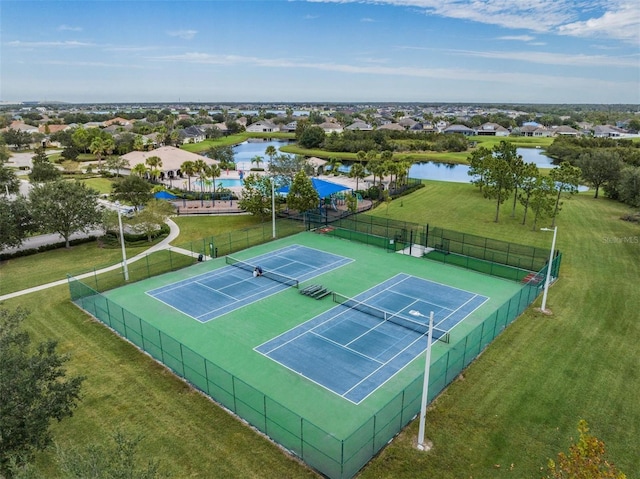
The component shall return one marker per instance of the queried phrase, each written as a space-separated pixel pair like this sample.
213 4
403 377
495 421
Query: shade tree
64 207
35 390
566 179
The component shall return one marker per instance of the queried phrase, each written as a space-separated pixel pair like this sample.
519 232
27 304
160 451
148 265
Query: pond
458 173
245 151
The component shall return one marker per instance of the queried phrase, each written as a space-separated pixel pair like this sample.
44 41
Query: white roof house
172 159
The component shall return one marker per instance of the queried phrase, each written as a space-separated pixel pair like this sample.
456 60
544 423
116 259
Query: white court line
345 347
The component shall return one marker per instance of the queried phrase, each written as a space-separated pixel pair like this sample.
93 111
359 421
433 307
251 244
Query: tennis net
280 278
394 318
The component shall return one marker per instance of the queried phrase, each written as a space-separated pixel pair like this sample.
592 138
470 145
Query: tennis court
212 294
355 347
333 378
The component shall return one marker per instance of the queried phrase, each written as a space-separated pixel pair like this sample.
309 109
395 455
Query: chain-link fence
335 457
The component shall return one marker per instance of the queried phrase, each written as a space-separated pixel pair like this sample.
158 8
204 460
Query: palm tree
213 172
271 152
154 163
140 169
100 147
188 168
334 163
200 168
257 160
357 171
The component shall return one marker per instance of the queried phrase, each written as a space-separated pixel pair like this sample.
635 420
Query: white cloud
67 28
547 58
623 24
521 38
68 44
367 20
184 34
616 19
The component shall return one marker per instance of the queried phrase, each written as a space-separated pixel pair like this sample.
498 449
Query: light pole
548 280
124 252
273 205
425 385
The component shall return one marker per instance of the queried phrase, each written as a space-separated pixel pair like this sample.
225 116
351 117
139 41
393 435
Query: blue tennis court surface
210 295
352 350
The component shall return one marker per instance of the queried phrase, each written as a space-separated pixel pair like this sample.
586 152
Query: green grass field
511 410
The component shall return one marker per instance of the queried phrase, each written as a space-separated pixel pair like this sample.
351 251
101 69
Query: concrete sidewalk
164 244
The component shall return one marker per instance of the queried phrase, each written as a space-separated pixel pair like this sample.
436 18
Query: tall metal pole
124 252
273 206
425 385
548 280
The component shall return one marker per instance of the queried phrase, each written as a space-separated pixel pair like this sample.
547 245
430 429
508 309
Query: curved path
164 244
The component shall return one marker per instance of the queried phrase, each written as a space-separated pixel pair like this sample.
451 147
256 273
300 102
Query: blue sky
515 51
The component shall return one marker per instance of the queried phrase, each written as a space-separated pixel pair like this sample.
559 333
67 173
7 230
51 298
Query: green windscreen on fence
334 456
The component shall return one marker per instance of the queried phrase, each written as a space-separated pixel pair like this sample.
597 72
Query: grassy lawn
193 228
417 157
128 391
520 402
511 410
20 273
101 185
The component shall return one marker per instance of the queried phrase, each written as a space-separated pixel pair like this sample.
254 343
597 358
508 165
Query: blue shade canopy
322 187
164 195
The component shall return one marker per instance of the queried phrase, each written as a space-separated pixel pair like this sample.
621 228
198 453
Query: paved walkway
164 244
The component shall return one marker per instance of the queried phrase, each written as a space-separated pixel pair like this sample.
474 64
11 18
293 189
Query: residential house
262 126
392 127
608 131
459 129
191 134
331 127
359 125
565 130
492 129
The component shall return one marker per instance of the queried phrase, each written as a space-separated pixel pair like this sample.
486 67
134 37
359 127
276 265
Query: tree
542 199
140 170
358 172
530 174
188 168
256 195
152 217
64 207
586 459
200 167
80 138
257 159
34 388
333 164
271 152
43 170
629 186
311 137
286 167
9 182
223 154
133 190
498 181
599 166
566 178
116 163
478 165
15 221
17 138
213 171
302 196
154 163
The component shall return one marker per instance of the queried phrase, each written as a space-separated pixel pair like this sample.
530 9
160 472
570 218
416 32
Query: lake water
459 173
244 152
